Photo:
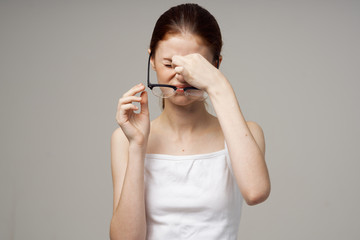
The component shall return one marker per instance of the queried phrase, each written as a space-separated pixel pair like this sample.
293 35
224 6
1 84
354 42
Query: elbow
116 233
113 234
254 198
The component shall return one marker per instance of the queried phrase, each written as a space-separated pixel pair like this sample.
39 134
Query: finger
128 99
178 60
126 107
181 65
121 115
124 110
183 72
180 77
144 103
179 70
134 90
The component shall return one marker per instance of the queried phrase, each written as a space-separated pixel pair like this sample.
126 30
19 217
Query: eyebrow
167 59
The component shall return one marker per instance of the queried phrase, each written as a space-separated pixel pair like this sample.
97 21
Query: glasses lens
163 92
196 94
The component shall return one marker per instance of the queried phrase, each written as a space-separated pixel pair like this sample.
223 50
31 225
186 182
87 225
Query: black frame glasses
188 91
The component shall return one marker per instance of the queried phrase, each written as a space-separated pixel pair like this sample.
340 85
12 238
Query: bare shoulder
254 125
118 136
258 134
118 141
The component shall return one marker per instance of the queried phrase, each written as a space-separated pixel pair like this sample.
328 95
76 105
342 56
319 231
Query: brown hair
188 18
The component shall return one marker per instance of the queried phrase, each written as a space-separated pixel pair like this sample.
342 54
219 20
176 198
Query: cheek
164 75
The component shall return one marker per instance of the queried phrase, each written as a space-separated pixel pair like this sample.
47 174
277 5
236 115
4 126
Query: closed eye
168 65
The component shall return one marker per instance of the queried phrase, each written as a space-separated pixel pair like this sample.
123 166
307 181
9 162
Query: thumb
183 73
180 70
144 103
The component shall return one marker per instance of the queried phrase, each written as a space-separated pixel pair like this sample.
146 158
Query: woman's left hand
196 71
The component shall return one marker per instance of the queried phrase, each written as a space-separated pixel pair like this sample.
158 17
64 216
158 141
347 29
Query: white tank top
191 197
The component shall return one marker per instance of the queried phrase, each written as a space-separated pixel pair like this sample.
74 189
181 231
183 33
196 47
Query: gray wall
64 64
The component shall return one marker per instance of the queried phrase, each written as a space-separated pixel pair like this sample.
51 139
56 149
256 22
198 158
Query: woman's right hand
136 126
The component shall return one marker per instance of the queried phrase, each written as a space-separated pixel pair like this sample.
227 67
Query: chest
199 187
165 144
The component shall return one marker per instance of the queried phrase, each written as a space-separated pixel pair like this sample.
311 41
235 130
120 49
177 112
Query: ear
220 60
152 60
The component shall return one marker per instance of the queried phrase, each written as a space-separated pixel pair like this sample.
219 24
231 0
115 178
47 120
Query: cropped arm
127 163
247 152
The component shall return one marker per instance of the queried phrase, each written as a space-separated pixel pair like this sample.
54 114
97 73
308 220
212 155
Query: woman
185 175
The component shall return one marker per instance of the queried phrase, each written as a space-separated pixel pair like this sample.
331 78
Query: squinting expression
179 44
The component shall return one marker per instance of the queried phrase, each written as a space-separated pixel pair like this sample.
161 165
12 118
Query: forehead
182 44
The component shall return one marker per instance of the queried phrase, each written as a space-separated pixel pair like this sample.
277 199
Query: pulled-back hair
188 18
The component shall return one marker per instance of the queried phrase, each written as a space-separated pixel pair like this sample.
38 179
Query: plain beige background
64 64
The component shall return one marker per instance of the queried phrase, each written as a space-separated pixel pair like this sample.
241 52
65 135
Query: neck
184 120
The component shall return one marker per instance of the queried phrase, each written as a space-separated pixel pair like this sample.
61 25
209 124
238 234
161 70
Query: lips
180 90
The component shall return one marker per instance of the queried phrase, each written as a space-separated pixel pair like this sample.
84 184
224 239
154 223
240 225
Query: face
179 44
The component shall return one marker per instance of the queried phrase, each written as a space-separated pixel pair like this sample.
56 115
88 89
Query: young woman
185 174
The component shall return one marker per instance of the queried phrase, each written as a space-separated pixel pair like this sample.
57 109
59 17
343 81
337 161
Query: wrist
219 87
138 145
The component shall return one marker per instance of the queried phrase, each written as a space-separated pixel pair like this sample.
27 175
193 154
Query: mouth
180 91
180 88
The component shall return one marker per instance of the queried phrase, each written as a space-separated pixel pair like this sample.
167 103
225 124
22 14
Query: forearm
129 220
247 159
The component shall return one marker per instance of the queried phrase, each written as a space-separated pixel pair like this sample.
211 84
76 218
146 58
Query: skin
183 128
